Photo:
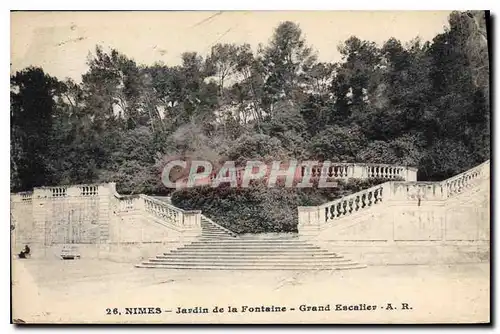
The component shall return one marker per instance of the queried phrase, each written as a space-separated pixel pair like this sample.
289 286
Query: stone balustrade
184 219
22 197
460 182
127 203
362 171
60 192
429 191
345 206
318 217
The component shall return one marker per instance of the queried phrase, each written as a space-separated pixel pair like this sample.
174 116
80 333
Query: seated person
25 252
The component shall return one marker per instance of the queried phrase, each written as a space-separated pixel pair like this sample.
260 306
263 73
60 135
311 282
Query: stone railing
23 197
456 184
429 191
362 171
177 217
318 217
127 203
174 215
84 190
436 191
342 207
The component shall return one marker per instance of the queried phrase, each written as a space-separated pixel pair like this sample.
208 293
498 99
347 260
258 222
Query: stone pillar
388 191
105 194
138 203
359 171
191 226
411 174
192 219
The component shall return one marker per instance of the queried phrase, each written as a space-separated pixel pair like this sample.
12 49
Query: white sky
59 42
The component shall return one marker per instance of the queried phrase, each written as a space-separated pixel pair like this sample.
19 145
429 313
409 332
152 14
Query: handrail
478 168
354 195
203 217
347 205
162 203
366 198
455 184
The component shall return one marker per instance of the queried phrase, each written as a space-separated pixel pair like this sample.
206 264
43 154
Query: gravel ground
56 291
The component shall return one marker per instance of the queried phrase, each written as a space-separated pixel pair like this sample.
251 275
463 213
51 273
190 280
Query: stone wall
102 223
402 223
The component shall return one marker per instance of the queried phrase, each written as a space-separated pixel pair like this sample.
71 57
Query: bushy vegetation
424 103
261 209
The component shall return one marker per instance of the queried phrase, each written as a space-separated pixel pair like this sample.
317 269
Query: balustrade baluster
369 197
338 207
335 212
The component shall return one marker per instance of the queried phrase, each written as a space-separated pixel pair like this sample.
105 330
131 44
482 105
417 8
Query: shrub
258 209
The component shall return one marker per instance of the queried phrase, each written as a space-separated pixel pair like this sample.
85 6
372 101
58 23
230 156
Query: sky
60 42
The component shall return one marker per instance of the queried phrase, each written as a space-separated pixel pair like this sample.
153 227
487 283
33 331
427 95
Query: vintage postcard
250 167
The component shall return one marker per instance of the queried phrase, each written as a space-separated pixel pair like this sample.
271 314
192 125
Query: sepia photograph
250 167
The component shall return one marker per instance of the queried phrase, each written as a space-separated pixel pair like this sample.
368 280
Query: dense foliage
424 104
261 209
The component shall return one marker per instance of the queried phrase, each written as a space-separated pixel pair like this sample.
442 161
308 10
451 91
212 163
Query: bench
70 252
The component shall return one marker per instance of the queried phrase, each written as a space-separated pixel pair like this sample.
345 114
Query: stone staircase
220 249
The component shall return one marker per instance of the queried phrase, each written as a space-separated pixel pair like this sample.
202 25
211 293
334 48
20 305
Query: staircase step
214 238
234 242
247 249
310 256
230 246
299 261
215 233
243 252
219 249
238 243
250 267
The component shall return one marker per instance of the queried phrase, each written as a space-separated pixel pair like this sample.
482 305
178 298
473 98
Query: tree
32 98
337 144
354 82
424 104
285 59
255 147
223 62
248 93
